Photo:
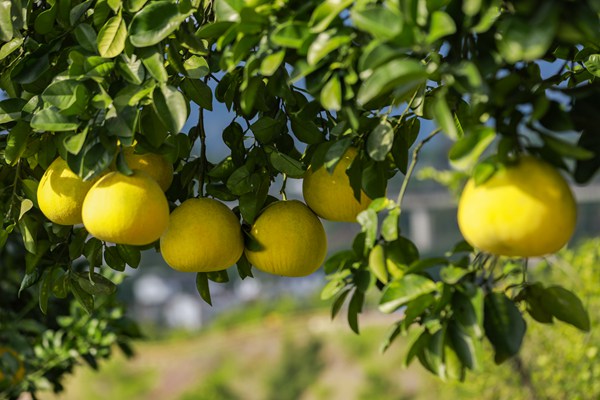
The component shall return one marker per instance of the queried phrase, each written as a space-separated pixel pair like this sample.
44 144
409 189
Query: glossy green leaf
171 107
16 142
196 67
130 254
592 64
156 21
380 140
86 37
199 92
441 25
323 45
325 13
84 298
112 36
377 263
61 94
368 222
290 34
405 73
50 119
6 26
389 226
401 291
271 63
564 305
202 287
331 94
504 326
286 164
11 109
8 48
383 23
521 39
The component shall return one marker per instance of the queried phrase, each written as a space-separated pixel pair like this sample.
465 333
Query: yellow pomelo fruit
289 240
18 373
203 235
154 165
61 192
126 209
523 210
330 196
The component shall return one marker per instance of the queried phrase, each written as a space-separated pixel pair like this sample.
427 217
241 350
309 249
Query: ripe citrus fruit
523 210
203 235
289 240
154 165
126 209
330 196
13 364
61 192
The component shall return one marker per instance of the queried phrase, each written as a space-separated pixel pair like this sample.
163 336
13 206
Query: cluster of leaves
303 80
53 342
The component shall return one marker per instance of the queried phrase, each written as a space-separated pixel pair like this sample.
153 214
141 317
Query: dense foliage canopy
304 81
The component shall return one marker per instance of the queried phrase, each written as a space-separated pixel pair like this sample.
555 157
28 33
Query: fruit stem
202 135
282 190
413 163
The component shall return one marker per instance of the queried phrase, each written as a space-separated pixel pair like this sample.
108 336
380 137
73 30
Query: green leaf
325 13
85 299
567 149
452 274
92 250
368 222
381 22
16 143
61 94
290 34
286 164
26 205
306 131
266 129
29 280
11 109
44 22
377 263
6 26
29 228
484 171
565 306
271 63
592 64
468 348
50 119
323 45
113 259
46 287
86 37
465 152
156 21
244 267
354 308
331 94
444 117
112 36
8 48
130 254
527 39
404 290
405 74
380 140
96 284
389 226
441 25
199 92
131 69
153 60
171 107
228 10
252 203
202 287
504 326
431 355
196 67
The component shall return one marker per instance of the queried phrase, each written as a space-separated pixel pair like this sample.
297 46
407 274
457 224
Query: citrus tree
96 97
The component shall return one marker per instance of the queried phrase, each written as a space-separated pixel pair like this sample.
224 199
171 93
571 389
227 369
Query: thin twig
411 167
203 163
